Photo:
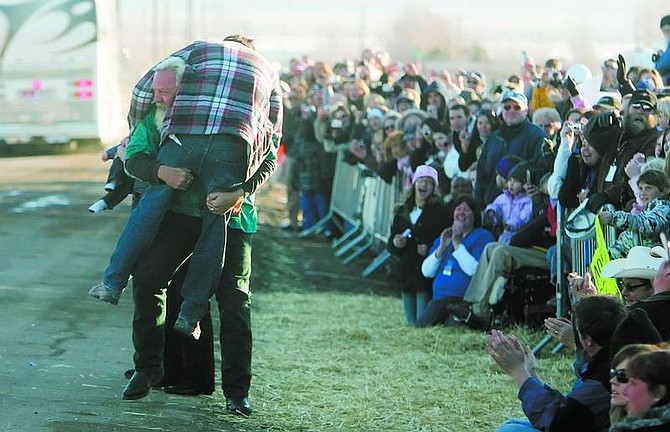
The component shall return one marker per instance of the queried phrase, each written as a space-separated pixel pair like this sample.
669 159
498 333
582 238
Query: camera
470 128
575 127
407 233
426 131
336 123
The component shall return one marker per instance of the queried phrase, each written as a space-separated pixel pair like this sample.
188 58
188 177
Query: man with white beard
203 109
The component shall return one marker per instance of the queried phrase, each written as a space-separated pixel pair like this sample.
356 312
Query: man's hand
621 69
561 329
581 286
222 202
176 178
510 355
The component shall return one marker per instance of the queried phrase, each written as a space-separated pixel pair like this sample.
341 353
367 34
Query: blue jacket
586 407
524 140
663 63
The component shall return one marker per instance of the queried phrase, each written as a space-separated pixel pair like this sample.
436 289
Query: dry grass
339 361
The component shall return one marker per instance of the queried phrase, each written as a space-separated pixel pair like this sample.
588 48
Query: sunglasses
631 288
645 108
389 127
619 375
509 107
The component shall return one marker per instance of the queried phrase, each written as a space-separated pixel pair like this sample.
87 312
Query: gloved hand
621 69
571 85
625 86
597 200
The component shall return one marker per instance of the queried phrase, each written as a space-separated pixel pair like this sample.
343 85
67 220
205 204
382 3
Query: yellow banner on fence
600 258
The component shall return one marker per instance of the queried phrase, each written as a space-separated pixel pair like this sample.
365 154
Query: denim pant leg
422 299
409 306
308 210
233 299
222 167
138 233
516 425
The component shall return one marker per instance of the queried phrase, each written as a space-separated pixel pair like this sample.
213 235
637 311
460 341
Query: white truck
49 77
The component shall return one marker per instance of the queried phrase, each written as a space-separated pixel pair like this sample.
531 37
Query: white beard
159 117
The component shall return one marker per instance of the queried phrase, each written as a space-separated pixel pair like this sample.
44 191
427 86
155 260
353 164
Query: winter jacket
512 212
585 408
524 140
431 223
649 224
617 191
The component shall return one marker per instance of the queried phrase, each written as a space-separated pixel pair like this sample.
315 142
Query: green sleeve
145 138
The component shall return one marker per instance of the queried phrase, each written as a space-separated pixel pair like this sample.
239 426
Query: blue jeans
314 208
516 425
220 163
414 304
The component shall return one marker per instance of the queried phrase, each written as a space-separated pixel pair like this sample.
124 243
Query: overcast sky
334 29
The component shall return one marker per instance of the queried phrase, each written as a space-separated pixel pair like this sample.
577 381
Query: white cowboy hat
581 224
642 262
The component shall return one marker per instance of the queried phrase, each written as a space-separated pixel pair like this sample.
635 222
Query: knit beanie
602 132
505 165
521 172
425 171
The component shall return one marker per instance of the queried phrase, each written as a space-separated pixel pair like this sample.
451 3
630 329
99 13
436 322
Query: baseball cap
643 97
515 96
609 103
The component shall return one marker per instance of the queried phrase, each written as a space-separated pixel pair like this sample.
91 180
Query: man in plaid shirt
221 120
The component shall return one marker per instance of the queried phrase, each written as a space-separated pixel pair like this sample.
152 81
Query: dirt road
62 354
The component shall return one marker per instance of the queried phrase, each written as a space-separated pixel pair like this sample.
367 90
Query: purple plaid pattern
226 89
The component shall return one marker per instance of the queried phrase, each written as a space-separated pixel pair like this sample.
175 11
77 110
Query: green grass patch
327 361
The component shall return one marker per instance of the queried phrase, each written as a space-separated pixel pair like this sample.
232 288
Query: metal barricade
381 229
344 199
581 252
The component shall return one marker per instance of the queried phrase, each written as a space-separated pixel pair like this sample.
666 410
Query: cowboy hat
640 262
581 223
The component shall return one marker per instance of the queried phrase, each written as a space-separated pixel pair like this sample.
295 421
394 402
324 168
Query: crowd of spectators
484 168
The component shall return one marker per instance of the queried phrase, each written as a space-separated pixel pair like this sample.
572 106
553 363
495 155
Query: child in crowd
118 184
512 209
654 218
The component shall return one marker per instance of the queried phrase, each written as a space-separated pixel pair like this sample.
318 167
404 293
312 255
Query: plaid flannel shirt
227 88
